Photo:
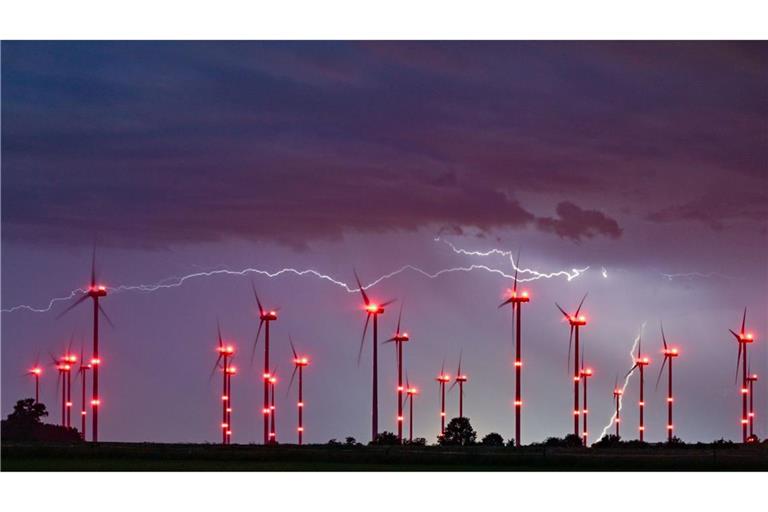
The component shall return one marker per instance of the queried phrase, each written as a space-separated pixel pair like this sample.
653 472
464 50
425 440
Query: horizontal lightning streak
175 282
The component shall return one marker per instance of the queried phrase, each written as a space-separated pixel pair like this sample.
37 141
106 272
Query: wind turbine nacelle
97 291
268 316
577 320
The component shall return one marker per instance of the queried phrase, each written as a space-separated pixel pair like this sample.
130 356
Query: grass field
202 457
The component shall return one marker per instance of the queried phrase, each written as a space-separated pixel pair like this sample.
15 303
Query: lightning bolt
175 282
693 275
626 381
573 274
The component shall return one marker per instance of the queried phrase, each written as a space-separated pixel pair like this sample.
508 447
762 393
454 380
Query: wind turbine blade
218 332
293 348
93 267
663 338
106 317
69 343
735 335
442 367
72 306
661 370
505 303
581 304
631 370
566 315
744 320
461 356
362 290
388 302
738 363
399 317
362 339
256 296
290 384
570 345
256 341
639 345
453 385
215 367
37 359
517 264
53 359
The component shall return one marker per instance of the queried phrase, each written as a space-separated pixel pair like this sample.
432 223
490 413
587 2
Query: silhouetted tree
493 439
333 442
458 432
351 441
24 424
418 441
675 442
386 439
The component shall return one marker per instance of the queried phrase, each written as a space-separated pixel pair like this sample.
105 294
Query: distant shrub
385 439
492 439
418 441
608 441
569 441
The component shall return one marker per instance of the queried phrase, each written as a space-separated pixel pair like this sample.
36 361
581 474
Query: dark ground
202 457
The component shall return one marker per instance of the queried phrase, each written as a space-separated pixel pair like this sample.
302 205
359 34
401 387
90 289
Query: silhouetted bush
608 441
569 441
351 441
385 439
675 442
24 424
333 442
418 441
458 432
492 439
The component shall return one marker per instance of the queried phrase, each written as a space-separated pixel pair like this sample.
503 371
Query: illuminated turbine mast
575 321
299 363
670 353
442 379
517 302
744 339
265 318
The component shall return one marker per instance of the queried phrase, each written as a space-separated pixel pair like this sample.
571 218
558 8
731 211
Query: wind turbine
751 379
399 339
411 393
299 363
517 312
669 354
641 362
442 379
63 367
460 380
225 352
617 392
743 338
575 321
81 372
229 372
585 373
95 291
35 372
372 310
265 317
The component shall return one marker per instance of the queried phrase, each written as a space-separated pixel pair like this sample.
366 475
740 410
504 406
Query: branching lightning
695 275
626 380
175 282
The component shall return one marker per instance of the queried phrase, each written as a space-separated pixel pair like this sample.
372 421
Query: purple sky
640 161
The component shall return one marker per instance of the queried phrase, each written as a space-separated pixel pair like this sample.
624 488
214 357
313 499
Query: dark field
201 457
